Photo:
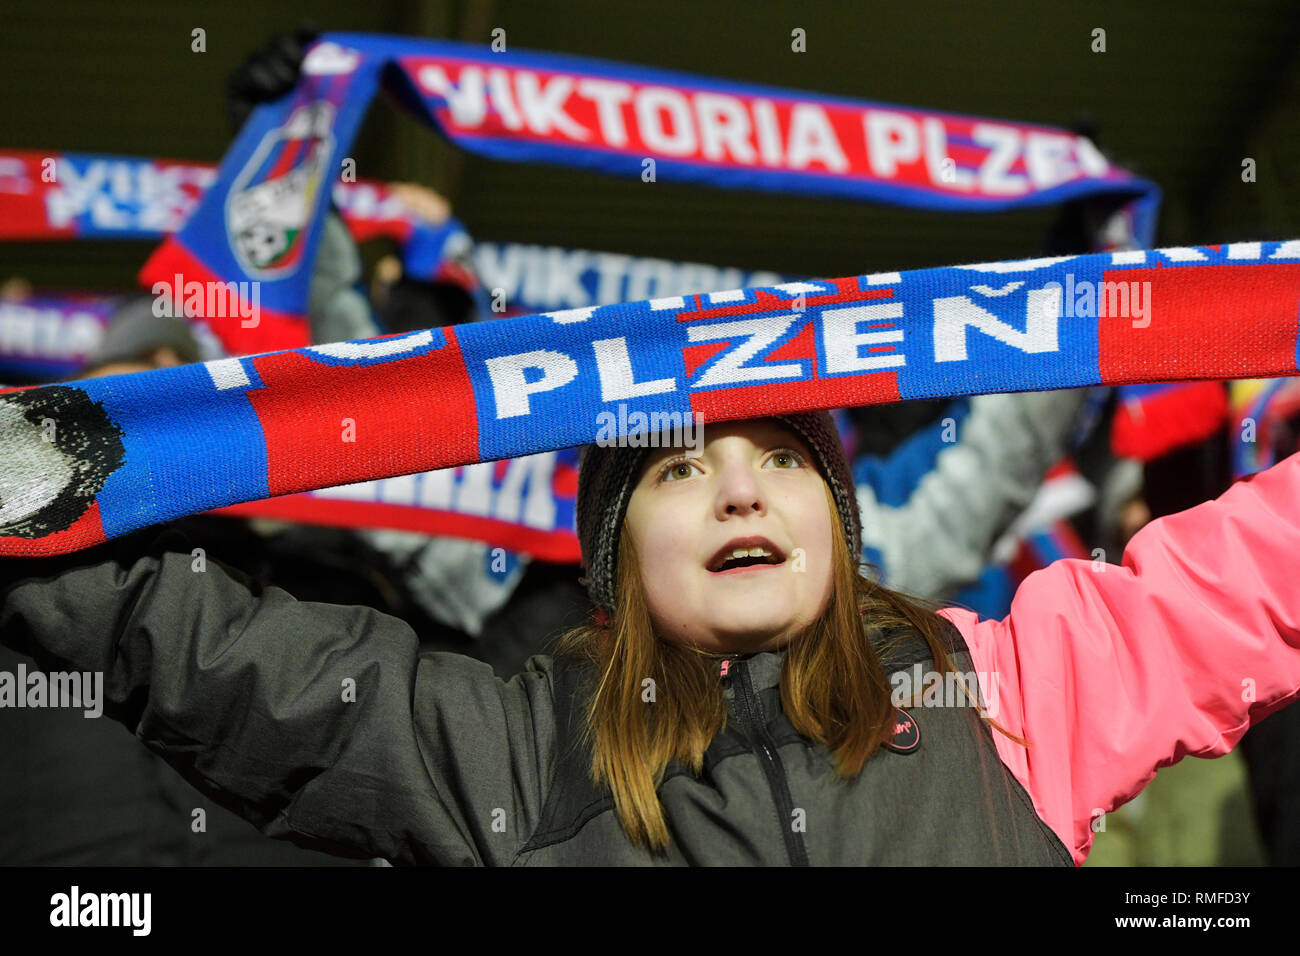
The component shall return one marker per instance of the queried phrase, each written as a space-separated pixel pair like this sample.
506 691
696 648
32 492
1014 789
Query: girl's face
754 487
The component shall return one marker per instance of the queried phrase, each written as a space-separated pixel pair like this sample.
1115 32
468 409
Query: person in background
81 792
137 340
460 588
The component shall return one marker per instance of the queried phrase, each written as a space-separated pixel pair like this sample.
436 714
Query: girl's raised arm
318 723
1113 672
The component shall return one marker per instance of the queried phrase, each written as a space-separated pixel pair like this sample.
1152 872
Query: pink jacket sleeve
1113 672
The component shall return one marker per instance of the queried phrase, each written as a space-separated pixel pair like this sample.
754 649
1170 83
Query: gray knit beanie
136 333
607 475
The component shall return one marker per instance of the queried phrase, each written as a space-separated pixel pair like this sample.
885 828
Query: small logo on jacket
907 734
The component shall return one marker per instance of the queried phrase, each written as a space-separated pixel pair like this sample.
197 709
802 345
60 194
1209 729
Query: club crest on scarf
61 447
273 196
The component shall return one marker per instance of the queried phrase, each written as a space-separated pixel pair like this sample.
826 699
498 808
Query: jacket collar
764 668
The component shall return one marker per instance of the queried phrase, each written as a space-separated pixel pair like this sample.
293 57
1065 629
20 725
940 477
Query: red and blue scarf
260 220
98 458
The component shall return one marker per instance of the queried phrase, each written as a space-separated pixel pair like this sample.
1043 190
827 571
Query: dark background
1183 93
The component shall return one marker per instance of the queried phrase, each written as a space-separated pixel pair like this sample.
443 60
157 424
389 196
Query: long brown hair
657 700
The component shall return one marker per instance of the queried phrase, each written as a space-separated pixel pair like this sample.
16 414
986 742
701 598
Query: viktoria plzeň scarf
261 219
49 195
98 458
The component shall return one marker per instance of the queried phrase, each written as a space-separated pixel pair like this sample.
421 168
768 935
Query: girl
744 695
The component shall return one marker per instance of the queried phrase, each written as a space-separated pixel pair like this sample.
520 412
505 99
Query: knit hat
607 475
135 333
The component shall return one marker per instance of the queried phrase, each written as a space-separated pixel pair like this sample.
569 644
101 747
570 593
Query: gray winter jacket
323 725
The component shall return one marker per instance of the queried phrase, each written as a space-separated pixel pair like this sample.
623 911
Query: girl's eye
676 469
787 458
680 468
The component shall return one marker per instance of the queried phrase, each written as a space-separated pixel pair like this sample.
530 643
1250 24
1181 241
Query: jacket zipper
773 769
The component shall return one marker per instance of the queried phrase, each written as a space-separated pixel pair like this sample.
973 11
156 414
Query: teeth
739 553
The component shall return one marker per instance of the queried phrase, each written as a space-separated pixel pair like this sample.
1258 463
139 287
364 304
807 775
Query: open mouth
745 553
